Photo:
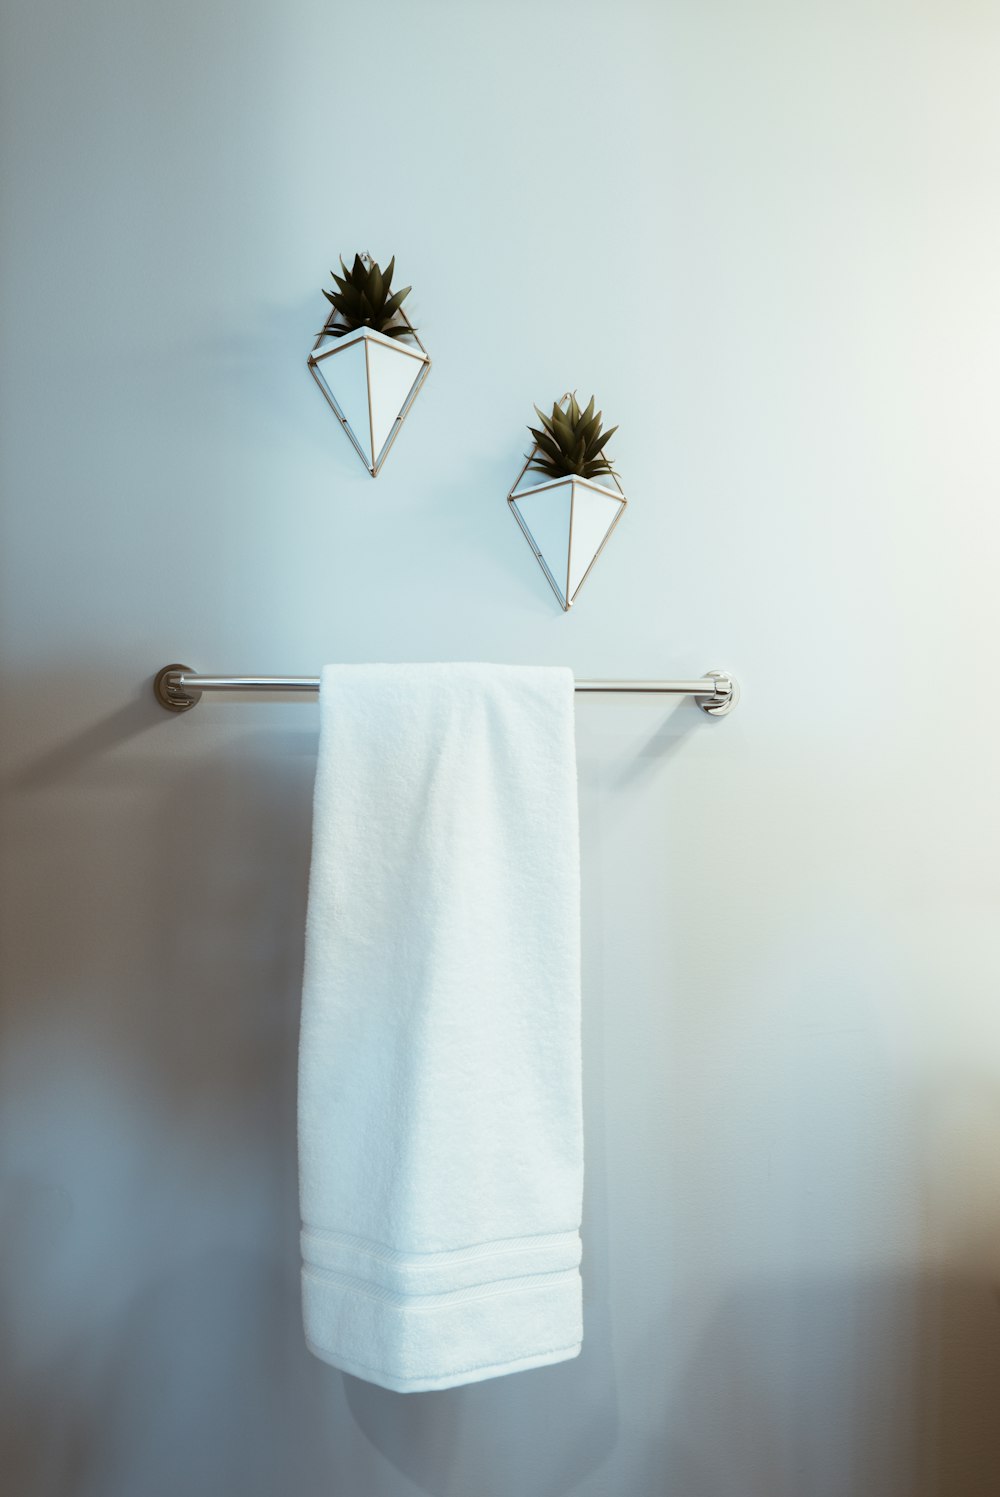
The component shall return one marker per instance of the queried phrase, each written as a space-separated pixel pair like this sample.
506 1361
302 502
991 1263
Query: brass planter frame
335 321
563 597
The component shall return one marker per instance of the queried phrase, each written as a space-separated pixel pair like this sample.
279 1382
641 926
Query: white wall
767 235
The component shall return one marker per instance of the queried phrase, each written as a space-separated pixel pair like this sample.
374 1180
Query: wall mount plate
171 696
731 687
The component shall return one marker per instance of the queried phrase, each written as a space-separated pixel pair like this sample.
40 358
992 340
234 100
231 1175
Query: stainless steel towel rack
178 688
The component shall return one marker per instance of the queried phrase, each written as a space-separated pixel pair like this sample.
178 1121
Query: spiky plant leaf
546 421
546 445
571 442
363 299
395 301
595 447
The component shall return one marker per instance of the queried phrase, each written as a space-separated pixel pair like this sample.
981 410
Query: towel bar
178 688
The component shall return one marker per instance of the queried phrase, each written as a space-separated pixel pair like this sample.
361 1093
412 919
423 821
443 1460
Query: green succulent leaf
550 448
364 296
545 420
395 301
570 441
590 428
350 297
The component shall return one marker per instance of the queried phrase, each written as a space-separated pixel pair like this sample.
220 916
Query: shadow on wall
149 1298
149 1301
198 1384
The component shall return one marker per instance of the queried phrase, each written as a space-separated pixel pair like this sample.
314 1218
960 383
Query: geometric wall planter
567 522
370 381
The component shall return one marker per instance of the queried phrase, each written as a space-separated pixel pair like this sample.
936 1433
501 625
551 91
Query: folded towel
440 1140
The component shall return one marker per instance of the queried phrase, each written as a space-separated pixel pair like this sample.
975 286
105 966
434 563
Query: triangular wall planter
370 381
567 523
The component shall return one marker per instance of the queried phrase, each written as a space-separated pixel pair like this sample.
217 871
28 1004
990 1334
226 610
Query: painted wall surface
767 235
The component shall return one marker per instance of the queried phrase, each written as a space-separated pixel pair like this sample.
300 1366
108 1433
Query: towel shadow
610 754
880 1384
458 1441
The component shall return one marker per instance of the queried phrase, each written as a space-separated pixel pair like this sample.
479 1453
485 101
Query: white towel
440 1139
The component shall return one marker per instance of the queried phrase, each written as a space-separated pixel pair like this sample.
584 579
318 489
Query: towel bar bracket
170 694
725 697
178 688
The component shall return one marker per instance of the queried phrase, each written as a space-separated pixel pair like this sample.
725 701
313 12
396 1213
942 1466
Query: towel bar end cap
726 695
172 696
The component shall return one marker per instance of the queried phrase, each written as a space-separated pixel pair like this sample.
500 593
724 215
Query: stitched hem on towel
413 1341
392 1272
451 1379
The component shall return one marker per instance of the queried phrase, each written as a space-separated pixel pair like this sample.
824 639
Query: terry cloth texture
440 1138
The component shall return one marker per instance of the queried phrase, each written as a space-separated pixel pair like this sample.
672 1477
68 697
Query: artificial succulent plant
364 298
571 442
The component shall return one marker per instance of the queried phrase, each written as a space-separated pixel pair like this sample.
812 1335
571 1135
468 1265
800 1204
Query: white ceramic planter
370 382
567 522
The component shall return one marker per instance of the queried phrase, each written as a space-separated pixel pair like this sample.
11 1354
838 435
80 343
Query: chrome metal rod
672 688
178 688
